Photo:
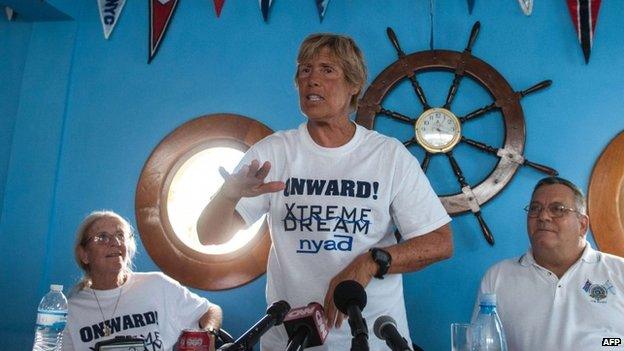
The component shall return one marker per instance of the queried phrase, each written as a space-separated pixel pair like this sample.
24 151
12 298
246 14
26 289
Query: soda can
194 340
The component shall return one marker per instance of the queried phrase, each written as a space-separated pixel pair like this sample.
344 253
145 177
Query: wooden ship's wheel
438 130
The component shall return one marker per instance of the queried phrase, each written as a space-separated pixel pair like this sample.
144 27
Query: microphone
350 299
274 316
305 327
386 329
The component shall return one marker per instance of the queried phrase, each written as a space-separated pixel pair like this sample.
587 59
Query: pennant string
431 9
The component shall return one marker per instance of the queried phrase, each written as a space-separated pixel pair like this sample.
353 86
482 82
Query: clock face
437 130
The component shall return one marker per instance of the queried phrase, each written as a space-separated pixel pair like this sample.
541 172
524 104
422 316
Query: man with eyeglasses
561 294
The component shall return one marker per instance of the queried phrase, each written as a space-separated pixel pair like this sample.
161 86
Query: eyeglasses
555 210
105 238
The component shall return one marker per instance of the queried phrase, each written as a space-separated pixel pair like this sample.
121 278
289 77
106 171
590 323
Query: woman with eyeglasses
111 300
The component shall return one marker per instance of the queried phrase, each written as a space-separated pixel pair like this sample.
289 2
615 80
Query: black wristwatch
383 260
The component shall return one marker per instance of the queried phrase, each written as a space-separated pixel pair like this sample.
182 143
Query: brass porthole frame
605 198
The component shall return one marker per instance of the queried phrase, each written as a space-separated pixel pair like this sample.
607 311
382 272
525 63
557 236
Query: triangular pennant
109 14
526 6
584 15
9 13
218 6
265 5
470 6
161 12
321 6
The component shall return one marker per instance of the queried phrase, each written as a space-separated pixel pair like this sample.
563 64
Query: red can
194 340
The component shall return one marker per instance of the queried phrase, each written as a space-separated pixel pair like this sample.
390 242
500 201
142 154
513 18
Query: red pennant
161 12
584 15
218 6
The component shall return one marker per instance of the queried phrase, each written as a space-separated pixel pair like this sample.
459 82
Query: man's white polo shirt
541 312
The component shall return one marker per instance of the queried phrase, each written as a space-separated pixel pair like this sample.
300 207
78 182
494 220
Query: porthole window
192 186
176 183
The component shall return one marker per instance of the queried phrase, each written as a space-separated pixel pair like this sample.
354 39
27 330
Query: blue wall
13 49
89 112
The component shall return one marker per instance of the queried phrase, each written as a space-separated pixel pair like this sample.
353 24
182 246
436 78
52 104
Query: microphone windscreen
278 311
380 323
348 292
311 317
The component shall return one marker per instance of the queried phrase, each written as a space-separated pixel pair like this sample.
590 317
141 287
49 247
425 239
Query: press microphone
306 327
274 316
350 299
385 328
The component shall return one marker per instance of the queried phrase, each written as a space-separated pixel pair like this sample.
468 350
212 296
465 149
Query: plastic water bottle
51 319
487 327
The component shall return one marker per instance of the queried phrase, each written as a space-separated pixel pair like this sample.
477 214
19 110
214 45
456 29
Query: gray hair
579 198
81 238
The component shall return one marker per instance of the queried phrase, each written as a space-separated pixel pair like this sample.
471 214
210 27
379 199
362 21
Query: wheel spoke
473 36
425 162
544 169
396 115
417 88
478 112
539 86
479 145
410 142
459 70
492 150
395 42
453 90
458 172
419 92
487 234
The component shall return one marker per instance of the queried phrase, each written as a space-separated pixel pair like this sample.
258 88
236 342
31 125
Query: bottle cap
488 299
56 287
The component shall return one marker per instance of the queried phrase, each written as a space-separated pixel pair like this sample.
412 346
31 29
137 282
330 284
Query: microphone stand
359 342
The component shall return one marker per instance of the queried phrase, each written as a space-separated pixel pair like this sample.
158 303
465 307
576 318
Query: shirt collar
589 255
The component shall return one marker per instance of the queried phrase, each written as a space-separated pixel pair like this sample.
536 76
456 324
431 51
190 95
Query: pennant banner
526 6
161 12
321 6
265 5
109 14
584 15
218 6
470 6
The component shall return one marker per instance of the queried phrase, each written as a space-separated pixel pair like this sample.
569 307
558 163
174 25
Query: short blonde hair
347 53
81 241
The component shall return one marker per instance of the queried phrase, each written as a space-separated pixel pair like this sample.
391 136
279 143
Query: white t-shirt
338 203
151 306
541 312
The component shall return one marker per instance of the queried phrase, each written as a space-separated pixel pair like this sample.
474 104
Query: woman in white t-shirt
333 193
111 300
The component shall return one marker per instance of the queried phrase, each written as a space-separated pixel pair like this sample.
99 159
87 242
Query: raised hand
249 181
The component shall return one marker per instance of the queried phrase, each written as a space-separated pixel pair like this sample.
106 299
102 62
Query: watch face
437 130
382 256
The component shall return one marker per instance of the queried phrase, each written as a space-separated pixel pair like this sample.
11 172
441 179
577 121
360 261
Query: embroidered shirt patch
598 292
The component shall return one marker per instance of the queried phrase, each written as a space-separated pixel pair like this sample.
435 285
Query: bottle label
52 319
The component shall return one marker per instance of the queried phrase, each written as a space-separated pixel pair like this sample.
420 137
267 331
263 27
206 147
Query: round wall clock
438 130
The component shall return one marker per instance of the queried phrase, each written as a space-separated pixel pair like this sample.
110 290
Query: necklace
107 329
